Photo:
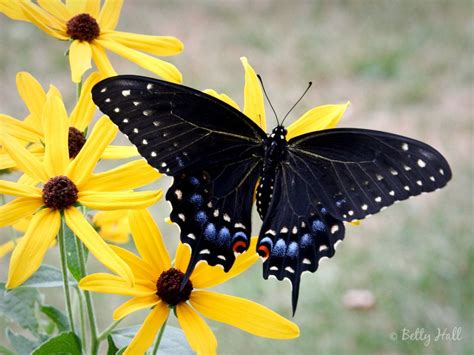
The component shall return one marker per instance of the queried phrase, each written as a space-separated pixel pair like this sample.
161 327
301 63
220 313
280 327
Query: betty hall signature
420 334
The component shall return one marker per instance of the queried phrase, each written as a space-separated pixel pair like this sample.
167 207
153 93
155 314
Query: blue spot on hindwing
292 250
319 226
201 217
280 248
268 241
194 181
210 232
196 199
306 240
240 235
223 237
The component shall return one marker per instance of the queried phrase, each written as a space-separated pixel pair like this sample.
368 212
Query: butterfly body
306 187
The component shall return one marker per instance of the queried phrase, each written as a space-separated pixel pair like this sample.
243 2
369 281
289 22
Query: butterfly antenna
296 103
265 92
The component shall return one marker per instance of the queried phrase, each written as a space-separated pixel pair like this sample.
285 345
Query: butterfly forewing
356 172
174 127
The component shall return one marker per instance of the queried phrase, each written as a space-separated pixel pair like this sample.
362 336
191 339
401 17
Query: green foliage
72 253
18 305
172 342
57 317
67 343
47 276
21 344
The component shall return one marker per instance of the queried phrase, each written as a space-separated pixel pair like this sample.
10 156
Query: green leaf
18 305
65 343
173 340
21 344
112 349
57 316
47 276
72 253
5 351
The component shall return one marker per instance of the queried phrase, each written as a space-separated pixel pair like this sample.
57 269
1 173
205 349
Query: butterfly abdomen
275 150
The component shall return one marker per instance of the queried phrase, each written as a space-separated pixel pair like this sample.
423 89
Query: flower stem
82 318
67 293
107 330
78 90
89 303
158 339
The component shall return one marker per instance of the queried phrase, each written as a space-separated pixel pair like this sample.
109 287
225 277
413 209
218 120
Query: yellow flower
157 286
316 119
66 183
30 131
91 30
113 226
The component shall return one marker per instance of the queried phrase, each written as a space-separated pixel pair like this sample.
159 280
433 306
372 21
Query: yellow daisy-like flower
316 119
66 183
30 131
113 226
91 30
157 286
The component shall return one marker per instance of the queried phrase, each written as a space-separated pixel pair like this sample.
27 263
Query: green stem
82 318
158 339
78 90
67 293
89 303
107 330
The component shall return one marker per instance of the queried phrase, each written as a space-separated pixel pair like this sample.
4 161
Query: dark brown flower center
83 27
59 193
76 140
168 285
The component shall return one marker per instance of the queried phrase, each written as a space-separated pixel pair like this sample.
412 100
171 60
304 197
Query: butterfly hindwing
213 209
357 172
176 128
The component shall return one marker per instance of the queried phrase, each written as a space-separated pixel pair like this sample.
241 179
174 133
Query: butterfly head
278 134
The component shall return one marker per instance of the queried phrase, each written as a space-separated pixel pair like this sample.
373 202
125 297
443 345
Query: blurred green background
407 67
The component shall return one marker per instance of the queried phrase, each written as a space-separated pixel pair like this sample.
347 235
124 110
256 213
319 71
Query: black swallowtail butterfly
307 186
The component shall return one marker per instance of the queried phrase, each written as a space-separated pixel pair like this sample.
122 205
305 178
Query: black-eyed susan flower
157 287
30 130
65 184
113 226
91 30
316 119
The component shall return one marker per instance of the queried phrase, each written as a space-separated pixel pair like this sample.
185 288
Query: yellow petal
92 7
80 55
33 95
120 152
200 336
19 129
112 284
135 304
317 119
157 45
102 61
16 189
26 180
157 66
7 247
355 222
96 245
17 209
243 314
13 10
141 268
110 14
182 256
29 253
56 129
24 160
5 161
222 97
56 8
147 332
149 240
205 276
83 112
128 176
44 21
81 167
254 104
108 201
113 230
77 7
